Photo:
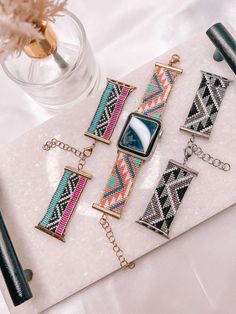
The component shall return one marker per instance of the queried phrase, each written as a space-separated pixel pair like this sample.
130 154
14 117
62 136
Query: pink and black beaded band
63 202
109 110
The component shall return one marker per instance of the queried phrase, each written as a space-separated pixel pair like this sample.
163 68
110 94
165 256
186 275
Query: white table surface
194 273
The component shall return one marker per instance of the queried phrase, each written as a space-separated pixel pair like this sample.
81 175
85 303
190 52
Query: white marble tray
30 175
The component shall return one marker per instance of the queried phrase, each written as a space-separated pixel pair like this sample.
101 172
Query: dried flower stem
19 20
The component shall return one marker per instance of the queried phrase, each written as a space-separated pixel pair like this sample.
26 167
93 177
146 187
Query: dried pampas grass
18 19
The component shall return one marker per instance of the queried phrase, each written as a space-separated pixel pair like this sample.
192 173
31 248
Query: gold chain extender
83 155
116 248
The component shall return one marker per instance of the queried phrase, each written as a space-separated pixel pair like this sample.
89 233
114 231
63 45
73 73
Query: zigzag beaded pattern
166 199
206 103
63 202
108 110
156 94
120 183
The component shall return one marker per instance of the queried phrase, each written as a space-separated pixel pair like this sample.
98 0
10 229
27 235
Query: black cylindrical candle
11 269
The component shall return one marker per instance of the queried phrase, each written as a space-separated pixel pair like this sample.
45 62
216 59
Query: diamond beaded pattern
206 104
156 94
166 199
120 183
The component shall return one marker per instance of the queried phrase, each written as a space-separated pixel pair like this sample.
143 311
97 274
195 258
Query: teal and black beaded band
63 202
108 111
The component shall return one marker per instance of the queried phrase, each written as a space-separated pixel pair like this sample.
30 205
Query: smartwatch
138 139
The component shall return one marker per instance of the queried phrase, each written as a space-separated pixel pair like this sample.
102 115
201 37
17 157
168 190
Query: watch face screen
139 134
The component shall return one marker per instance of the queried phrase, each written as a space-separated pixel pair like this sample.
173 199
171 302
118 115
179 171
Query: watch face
139 135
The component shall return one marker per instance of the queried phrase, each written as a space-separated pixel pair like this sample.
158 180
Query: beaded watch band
119 185
206 104
155 97
167 197
108 110
126 167
63 202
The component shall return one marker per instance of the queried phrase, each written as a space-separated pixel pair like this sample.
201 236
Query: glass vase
65 76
